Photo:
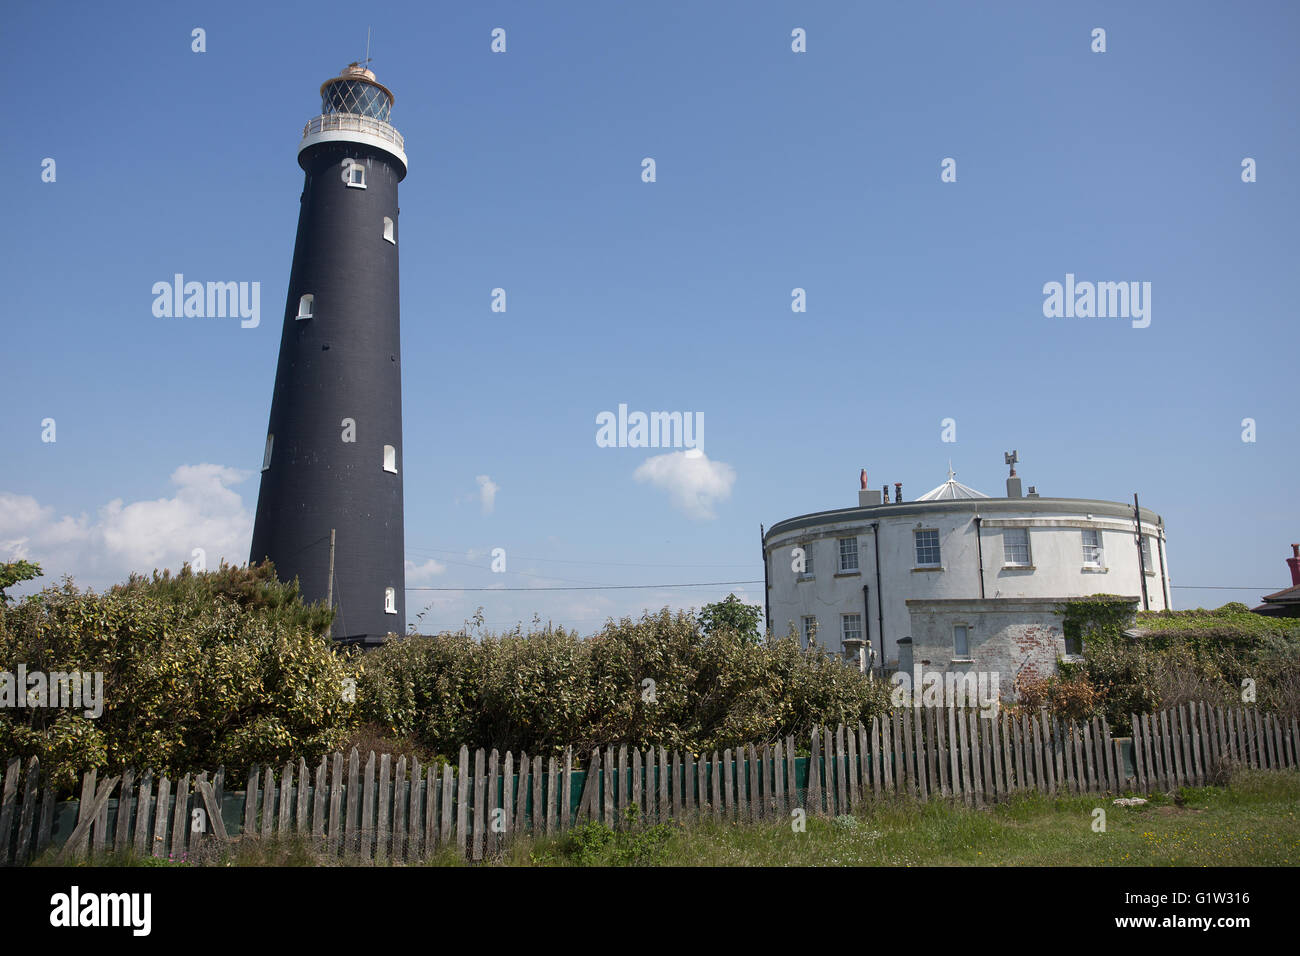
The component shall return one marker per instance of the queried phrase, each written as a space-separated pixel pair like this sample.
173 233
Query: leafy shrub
658 681
221 667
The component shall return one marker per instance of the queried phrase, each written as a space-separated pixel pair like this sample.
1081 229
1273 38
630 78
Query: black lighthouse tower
331 492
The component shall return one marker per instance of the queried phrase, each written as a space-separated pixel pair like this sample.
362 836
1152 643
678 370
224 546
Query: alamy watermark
652 430
924 688
73 690
1100 300
214 300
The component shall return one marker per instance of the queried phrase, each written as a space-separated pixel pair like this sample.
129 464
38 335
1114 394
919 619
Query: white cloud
418 574
693 482
487 493
141 536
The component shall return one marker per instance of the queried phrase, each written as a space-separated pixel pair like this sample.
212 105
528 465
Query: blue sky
775 170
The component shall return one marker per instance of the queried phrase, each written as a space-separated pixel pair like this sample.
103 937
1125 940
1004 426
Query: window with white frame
266 455
356 177
390 600
960 641
1146 553
807 559
848 554
388 230
1015 547
809 630
927 547
1093 556
852 626
305 306
390 459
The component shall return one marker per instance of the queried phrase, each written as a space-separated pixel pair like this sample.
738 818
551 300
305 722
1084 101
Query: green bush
222 667
1201 655
658 681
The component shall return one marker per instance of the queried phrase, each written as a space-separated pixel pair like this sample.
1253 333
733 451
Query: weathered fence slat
300 808
431 809
213 808
374 827
122 835
336 806
394 842
318 805
479 825
286 797
27 814
268 803
181 819
77 840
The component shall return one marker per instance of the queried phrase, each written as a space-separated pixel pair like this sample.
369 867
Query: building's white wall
1056 553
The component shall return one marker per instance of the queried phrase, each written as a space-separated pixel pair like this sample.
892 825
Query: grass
1251 822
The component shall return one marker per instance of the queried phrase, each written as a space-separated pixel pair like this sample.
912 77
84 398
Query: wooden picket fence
386 811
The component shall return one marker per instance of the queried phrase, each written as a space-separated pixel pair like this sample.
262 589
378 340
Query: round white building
843 579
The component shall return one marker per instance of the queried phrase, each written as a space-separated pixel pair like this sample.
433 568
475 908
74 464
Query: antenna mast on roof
366 64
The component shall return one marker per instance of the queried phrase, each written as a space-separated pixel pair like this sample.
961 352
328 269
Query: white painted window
266 455
809 631
388 230
1015 547
305 306
390 459
927 547
356 176
807 559
852 626
390 600
848 554
1093 556
960 641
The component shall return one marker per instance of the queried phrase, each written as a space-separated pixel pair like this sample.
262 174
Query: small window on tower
357 176
390 459
390 600
266 455
388 230
305 306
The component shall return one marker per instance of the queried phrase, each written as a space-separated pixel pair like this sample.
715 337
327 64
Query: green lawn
1251 823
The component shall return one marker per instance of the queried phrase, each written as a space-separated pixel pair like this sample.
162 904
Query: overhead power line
604 587
1217 587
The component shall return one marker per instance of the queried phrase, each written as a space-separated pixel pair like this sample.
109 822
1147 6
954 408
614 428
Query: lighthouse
329 509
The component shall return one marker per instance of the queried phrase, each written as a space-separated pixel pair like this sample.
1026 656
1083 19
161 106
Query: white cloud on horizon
206 512
694 483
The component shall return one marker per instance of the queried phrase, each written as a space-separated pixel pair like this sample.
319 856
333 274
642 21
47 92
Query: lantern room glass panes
354 96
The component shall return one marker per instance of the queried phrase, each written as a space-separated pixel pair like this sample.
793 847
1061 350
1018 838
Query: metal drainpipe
1142 563
866 615
1164 580
979 545
880 610
767 595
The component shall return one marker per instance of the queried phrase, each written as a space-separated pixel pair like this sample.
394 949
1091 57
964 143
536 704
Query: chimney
885 491
1293 563
866 497
1013 482
898 492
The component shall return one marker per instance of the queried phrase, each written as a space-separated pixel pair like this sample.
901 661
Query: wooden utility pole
329 585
